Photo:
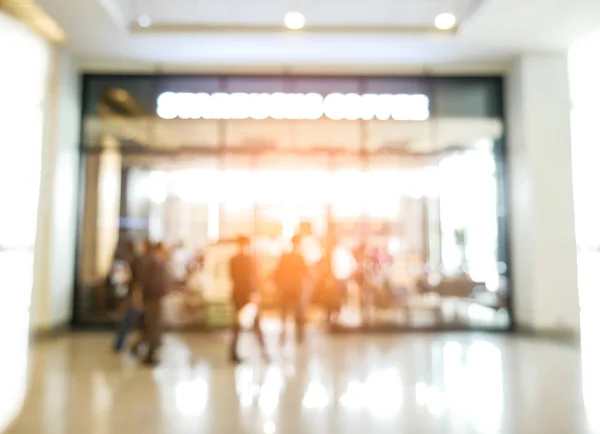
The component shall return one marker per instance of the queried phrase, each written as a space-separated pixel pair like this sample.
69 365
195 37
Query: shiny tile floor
352 384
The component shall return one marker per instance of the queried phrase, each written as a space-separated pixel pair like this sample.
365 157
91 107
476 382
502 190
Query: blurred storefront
405 174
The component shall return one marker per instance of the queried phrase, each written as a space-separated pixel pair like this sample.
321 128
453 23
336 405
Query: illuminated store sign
336 106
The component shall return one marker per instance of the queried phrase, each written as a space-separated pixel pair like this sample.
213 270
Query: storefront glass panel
413 208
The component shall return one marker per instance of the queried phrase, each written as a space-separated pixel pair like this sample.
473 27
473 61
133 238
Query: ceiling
318 12
103 34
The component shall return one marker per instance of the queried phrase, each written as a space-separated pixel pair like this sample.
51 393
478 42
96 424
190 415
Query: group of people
290 275
151 277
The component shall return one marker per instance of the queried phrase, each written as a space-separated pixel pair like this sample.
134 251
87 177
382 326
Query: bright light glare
271 390
158 186
246 385
465 180
144 21
384 392
350 192
445 21
23 89
354 398
269 428
335 106
316 396
294 20
191 397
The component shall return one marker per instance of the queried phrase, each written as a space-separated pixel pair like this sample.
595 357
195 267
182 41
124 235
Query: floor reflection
316 396
464 383
15 281
588 263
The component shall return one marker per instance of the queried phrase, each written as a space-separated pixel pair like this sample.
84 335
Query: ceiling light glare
144 21
445 21
294 20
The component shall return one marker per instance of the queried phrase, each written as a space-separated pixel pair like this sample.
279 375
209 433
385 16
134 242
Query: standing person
290 276
360 278
133 303
242 273
154 280
327 292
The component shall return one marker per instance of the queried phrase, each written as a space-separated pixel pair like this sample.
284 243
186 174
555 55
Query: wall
65 190
55 248
584 60
23 82
542 219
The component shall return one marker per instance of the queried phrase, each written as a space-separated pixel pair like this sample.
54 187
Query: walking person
326 286
242 273
154 280
290 277
133 302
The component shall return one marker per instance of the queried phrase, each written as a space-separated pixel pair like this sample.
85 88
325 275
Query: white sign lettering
336 106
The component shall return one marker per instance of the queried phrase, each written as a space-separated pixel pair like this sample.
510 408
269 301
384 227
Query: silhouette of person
290 276
155 280
134 306
242 272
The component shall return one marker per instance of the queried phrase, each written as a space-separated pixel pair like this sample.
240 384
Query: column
109 202
584 59
52 302
543 252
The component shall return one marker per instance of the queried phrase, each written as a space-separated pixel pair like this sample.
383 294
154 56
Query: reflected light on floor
16 272
269 428
436 404
589 297
102 398
431 398
384 391
471 387
354 398
191 397
14 367
485 389
430 384
455 377
271 390
316 396
246 387
590 361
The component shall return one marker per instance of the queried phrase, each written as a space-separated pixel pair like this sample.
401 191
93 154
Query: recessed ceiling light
294 20
144 21
445 21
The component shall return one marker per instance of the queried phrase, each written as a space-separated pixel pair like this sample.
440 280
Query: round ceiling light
144 21
294 20
445 21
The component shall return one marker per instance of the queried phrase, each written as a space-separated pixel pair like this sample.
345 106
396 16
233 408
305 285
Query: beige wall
24 59
55 247
542 221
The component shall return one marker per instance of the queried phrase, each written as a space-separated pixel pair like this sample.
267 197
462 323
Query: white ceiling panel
317 12
490 32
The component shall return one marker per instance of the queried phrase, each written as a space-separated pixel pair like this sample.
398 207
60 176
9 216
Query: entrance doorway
412 205
411 244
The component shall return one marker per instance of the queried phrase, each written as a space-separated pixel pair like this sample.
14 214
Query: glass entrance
409 211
